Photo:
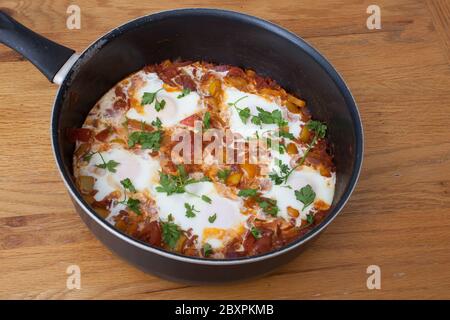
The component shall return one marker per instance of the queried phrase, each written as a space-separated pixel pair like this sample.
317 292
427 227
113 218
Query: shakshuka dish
204 160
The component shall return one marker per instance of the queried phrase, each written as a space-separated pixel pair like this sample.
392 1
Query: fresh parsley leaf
151 140
170 233
184 93
318 127
266 117
159 105
182 171
276 178
171 184
256 120
147 140
206 199
244 114
88 156
206 120
247 193
286 134
110 165
127 184
268 206
305 195
320 130
256 232
310 218
281 176
133 205
223 174
149 97
207 249
190 210
157 123
133 139
212 218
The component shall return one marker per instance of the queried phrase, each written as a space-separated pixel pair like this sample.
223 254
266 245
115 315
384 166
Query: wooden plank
398 217
440 14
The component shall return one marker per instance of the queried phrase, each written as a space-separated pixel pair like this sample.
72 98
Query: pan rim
267 27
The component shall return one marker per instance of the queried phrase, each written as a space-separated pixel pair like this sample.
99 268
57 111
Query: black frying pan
217 36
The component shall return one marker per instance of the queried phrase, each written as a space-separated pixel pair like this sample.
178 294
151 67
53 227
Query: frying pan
218 36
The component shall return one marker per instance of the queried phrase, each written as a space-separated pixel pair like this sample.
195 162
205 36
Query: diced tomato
186 81
254 246
120 104
264 243
151 233
79 134
119 92
190 121
103 135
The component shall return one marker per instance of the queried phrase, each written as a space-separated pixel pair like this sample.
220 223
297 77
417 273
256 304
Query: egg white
141 169
302 176
227 211
175 109
252 101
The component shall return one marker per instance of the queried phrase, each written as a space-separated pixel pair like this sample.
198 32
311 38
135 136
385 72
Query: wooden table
398 217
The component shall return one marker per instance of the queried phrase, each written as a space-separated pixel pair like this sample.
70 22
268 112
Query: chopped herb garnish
160 104
247 193
110 165
184 93
127 184
157 123
171 184
149 97
310 218
207 249
88 156
170 233
244 113
281 176
305 195
286 134
133 205
319 129
206 199
256 233
212 218
223 174
190 210
256 120
266 117
147 140
268 206
206 120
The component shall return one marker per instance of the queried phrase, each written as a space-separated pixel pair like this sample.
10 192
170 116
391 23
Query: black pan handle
46 55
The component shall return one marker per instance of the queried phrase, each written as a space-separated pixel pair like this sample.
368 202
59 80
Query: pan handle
48 56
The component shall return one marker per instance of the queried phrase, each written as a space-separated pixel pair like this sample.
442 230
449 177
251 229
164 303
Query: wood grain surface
398 217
